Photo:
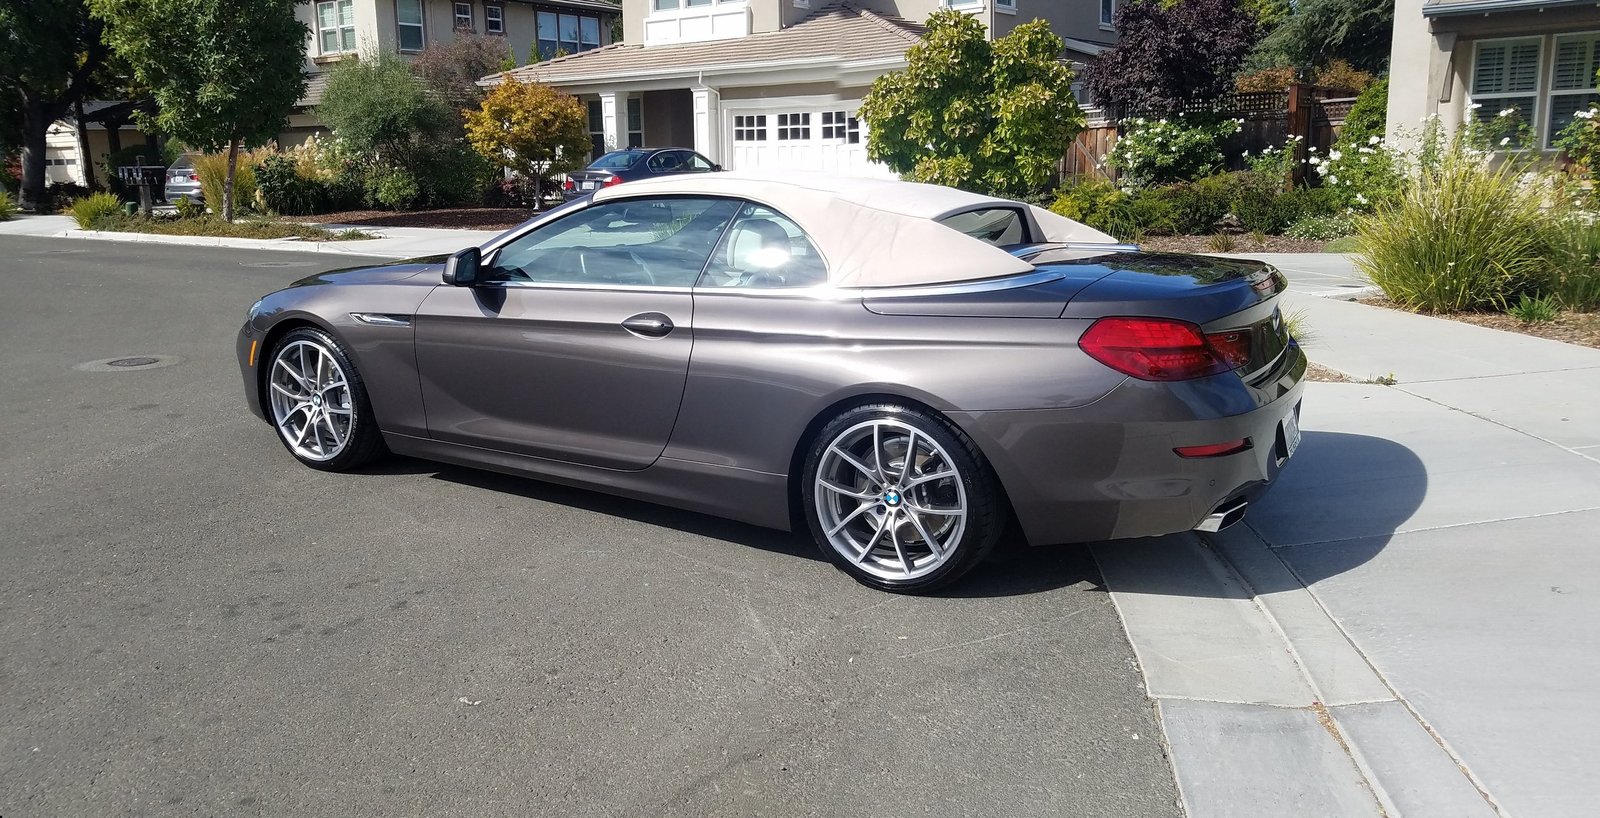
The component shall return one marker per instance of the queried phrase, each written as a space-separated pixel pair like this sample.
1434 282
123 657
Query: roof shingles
838 31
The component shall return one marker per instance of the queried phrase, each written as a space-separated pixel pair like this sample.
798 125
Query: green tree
49 53
379 109
1317 32
970 113
531 128
224 73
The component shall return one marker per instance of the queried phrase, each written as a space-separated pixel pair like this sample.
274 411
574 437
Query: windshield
616 160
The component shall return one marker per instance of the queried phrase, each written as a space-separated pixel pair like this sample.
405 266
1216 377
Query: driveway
192 624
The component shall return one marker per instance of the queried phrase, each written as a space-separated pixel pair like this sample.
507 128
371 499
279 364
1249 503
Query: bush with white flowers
1161 151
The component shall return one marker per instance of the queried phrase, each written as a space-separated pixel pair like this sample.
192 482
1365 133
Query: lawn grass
1344 245
212 226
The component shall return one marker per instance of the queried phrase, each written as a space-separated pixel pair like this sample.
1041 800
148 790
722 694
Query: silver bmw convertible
901 369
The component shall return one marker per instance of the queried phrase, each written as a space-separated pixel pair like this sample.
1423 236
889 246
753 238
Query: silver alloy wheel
890 499
311 402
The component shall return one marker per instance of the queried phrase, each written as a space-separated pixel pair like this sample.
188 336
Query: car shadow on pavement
1345 494
690 522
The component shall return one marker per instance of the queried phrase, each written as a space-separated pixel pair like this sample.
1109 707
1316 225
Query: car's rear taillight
1163 349
568 185
194 177
613 181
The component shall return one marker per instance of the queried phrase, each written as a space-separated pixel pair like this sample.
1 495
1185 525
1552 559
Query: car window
1000 226
616 160
659 242
764 250
666 161
695 162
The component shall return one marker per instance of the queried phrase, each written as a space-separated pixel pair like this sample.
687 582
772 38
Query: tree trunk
227 180
84 157
34 125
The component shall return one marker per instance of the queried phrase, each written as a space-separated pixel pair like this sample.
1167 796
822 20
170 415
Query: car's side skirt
754 497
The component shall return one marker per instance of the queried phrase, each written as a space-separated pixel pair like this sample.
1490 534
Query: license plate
1291 433
586 185
176 179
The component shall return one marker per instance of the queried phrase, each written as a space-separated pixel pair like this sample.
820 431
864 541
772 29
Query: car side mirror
715 168
461 269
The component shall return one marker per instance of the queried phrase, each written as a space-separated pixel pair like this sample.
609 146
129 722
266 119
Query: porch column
708 124
608 119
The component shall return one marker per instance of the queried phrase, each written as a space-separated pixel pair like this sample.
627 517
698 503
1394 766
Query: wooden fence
1270 118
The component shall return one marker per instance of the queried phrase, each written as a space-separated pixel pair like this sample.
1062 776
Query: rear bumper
1108 471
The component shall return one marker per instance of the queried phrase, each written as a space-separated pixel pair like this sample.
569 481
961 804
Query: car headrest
758 245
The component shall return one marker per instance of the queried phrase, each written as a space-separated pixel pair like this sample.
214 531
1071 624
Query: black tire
363 443
979 492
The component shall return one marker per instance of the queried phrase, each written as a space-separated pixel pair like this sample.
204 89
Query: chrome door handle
649 325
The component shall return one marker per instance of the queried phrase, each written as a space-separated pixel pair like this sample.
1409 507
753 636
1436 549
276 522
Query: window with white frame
674 5
336 26
408 25
1572 80
837 126
635 122
1108 13
1505 77
751 128
494 19
794 127
1008 5
956 4
463 15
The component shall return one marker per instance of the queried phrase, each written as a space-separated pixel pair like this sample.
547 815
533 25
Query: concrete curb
288 244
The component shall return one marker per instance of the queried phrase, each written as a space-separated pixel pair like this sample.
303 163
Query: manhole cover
129 363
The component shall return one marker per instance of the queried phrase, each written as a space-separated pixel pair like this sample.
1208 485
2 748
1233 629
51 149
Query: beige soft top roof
874 232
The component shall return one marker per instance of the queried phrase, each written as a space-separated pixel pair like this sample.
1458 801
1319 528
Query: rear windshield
999 226
617 160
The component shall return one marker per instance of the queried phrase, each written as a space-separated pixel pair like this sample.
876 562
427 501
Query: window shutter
1524 69
1576 64
1488 76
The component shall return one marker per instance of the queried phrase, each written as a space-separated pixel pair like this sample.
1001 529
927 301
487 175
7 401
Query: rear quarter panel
765 365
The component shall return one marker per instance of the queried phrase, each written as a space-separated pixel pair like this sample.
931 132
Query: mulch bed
1241 244
1321 374
455 218
1581 328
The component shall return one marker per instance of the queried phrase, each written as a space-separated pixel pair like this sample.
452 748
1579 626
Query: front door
574 345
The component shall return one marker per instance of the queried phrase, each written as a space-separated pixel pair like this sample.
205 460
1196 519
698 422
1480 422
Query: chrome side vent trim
379 319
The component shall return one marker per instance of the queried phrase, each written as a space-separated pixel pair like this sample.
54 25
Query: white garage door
827 138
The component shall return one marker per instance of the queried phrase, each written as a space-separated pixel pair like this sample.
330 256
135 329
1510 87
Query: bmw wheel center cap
891 498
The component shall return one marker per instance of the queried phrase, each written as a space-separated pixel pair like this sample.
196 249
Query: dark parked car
901 369
633 164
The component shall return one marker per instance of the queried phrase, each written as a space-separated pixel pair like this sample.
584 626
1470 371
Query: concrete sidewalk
391 242
1408 623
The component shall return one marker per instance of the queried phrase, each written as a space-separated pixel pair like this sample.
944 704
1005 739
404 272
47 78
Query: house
1476 58
533 30
772 84
342 28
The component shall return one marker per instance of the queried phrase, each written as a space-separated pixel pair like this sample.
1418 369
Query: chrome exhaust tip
1223 517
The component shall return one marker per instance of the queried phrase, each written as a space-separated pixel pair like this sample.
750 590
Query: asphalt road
193 624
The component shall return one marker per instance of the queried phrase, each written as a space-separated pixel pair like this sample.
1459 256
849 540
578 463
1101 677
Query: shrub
455 175
61 195
8 207
188 208
283 188
1342 76
212 168
1321 227
1155 152
1467 234
1576 257
1531 310
1197 206
1361 176
92 211
1221 243
394 188
1125 215
1266 79
1369 115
